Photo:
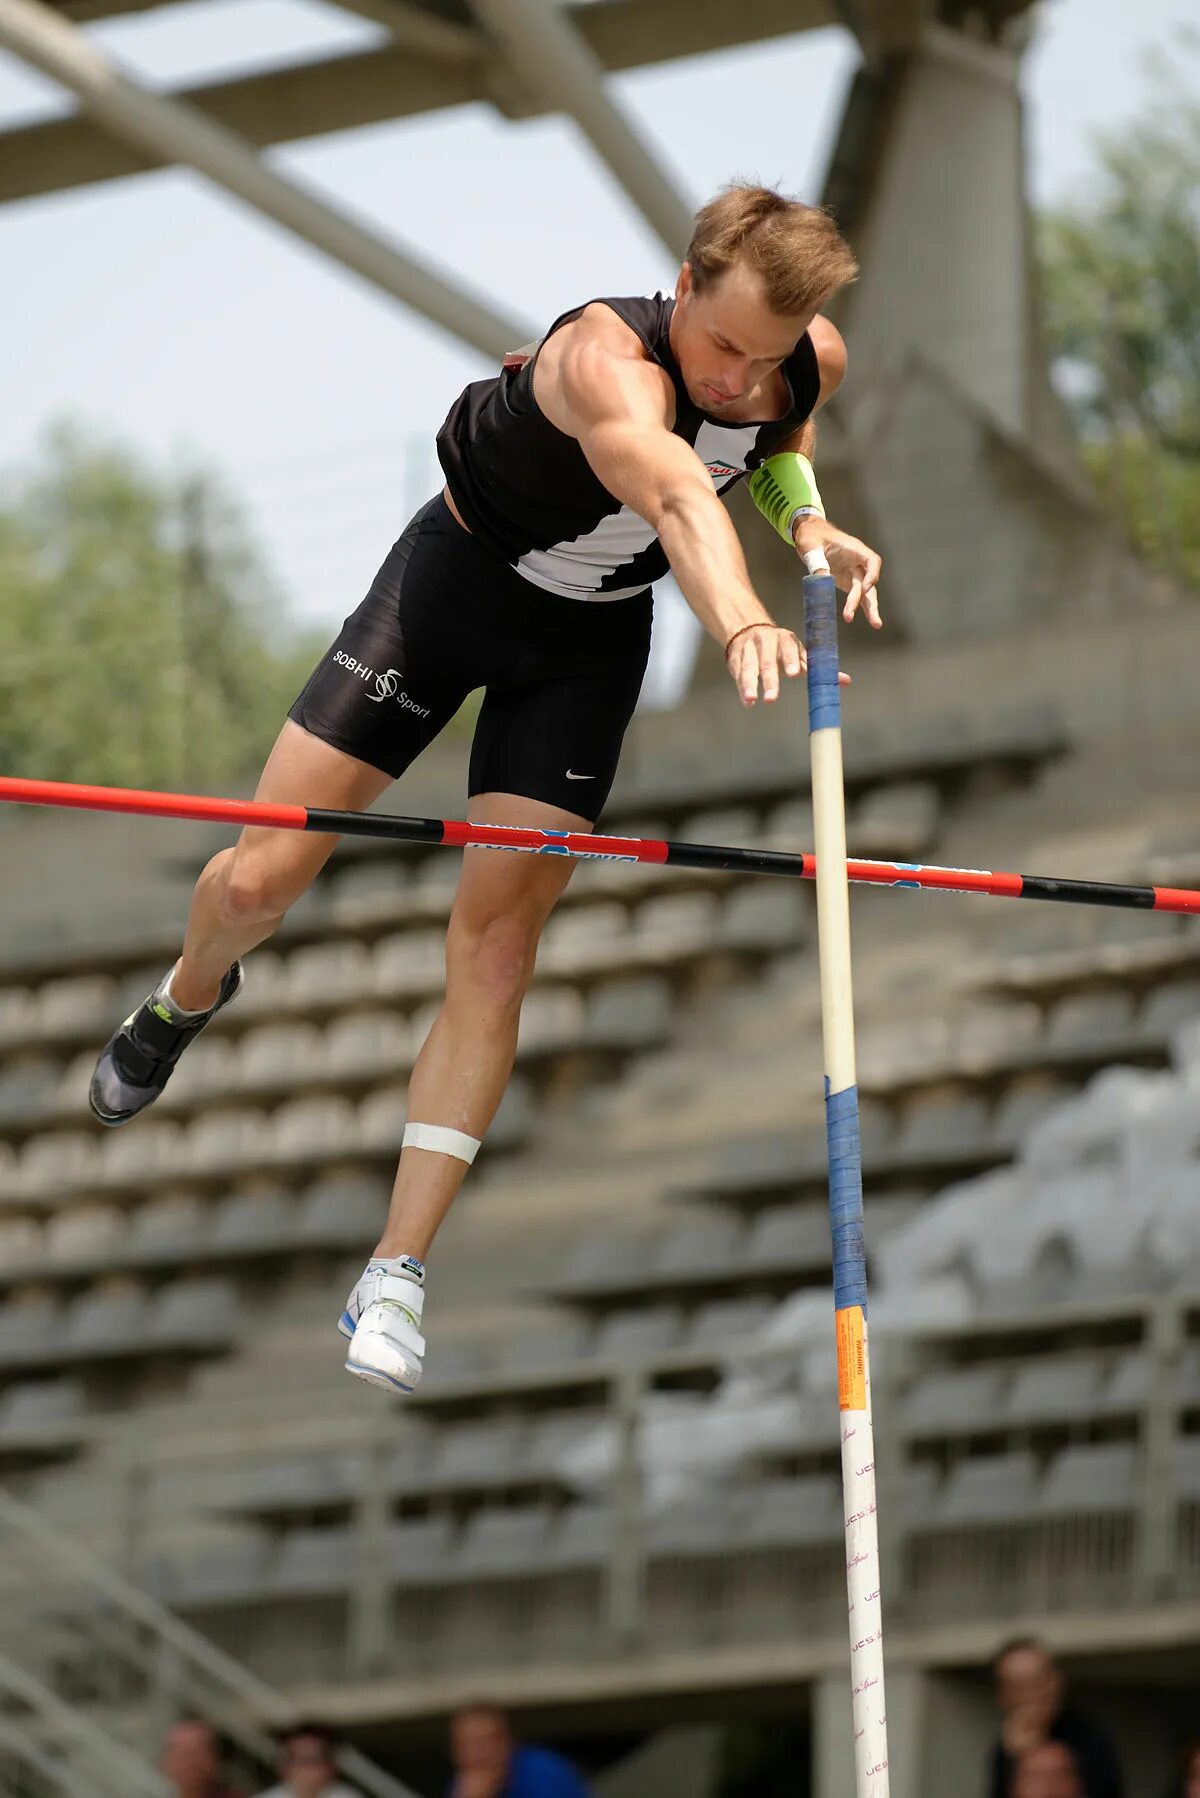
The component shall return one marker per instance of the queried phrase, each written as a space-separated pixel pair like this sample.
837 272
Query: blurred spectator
1049 1771
308 1765
1030 1690
191 1761
489 1763
1187 1784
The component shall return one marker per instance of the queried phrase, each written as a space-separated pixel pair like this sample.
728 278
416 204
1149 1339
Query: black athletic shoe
137 1060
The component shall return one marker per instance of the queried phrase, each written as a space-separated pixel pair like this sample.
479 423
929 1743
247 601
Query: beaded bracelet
760 624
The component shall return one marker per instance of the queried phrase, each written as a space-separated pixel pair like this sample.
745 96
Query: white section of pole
833 909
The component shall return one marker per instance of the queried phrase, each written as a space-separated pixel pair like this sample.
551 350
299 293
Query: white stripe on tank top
574 569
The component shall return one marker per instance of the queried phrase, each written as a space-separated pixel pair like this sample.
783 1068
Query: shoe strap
400 1290
150 1043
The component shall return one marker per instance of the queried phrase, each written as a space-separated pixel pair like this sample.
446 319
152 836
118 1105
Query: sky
164 315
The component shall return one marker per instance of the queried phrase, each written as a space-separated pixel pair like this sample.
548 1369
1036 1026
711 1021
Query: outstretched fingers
763 657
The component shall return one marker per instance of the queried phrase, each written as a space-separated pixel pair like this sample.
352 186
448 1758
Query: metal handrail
15 1742
132 1777
191 1647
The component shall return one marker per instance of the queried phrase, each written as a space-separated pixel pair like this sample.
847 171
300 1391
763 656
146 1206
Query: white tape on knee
442 1140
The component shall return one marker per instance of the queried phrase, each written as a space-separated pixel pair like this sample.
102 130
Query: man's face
1027 1679
189 1757
1048 1772
727 339
306 1766
480 1742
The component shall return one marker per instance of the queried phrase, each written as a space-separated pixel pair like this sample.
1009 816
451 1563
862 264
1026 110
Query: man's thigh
554 731
302 770
425 635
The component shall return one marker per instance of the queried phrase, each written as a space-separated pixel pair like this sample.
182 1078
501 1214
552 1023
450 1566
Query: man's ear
683 285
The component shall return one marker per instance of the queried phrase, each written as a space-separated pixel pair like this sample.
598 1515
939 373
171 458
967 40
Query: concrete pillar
833 1742
940 1726
833 1747
948 449
939 219
960 1727
685 1759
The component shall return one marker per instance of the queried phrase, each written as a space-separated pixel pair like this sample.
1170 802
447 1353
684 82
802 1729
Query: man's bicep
620 410
643 465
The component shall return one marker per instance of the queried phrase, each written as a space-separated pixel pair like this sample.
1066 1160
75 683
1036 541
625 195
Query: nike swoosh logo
571 776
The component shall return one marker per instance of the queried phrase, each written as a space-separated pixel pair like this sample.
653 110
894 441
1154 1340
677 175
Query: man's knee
493 956
258 887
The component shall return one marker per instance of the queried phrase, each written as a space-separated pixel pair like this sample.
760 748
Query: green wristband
782 486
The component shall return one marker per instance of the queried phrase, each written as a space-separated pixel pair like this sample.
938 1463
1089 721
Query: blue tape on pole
820 639
845 1198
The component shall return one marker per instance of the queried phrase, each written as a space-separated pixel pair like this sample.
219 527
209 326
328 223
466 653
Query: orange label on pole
852 1359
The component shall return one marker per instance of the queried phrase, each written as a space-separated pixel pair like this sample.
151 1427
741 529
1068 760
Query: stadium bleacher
627 1432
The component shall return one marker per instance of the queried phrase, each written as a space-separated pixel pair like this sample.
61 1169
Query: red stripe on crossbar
460 835
946 880
1176 899
162 805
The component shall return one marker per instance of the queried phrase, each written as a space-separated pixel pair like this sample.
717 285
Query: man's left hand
854 566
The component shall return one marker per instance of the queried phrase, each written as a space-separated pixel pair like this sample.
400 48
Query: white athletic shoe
382 1322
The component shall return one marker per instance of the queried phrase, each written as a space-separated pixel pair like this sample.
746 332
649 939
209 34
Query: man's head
307 1759
758 270
191 1757
1028 1679
481 1740
1050 1771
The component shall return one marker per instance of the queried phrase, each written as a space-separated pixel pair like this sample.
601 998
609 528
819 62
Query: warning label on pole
851 1359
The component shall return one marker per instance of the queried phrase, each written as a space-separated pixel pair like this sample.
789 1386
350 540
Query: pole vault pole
868 1708
455 834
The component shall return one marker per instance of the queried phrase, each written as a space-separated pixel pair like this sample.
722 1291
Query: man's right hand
759 654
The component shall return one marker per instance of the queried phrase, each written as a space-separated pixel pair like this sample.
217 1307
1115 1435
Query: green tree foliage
142 642
1121 272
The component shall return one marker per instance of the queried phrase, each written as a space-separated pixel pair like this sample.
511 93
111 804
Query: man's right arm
619 408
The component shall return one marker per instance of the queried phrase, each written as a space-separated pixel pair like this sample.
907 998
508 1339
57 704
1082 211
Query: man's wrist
800 518
754 624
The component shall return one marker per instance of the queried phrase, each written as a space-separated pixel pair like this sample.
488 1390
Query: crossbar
585 846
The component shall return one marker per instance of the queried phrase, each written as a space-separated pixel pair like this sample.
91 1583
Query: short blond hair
797 249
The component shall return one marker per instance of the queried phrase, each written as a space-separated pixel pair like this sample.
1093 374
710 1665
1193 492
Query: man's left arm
854 565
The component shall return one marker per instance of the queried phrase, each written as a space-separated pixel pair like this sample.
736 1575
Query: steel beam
171 131
369 87
544 47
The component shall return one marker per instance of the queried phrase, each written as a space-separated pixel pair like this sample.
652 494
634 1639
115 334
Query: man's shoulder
597 337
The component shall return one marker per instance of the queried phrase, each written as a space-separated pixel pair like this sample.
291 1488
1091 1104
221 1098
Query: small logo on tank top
721 471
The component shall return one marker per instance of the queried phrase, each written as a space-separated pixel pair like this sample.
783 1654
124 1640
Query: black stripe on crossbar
1086 892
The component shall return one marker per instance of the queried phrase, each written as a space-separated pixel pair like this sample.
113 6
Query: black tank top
528 493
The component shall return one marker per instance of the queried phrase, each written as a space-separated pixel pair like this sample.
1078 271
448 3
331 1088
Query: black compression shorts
444 616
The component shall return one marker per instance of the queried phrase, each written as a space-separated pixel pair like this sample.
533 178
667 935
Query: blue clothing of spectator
538 1773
